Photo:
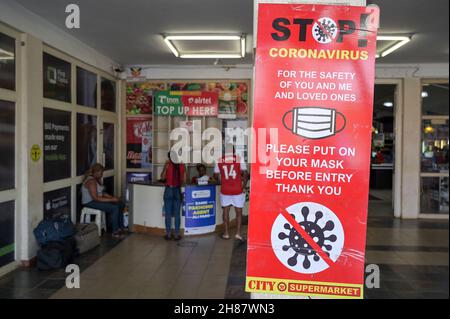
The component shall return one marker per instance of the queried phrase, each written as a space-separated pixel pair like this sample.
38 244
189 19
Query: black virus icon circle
320 224
324 30
300 246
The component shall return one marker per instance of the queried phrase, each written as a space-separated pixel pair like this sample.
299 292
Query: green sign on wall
167 104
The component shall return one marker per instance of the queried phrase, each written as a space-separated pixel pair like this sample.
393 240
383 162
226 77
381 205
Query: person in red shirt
233 176
174 177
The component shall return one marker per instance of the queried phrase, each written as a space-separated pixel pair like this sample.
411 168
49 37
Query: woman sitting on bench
93 196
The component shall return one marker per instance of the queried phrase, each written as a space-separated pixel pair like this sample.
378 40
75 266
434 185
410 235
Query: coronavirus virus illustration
324 30
300 246
320 225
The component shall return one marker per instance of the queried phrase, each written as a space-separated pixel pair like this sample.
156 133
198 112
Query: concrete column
410 199
255 20
31 114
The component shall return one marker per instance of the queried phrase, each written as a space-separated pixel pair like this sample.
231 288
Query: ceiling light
424 94
172 47
388 104
210 56
197 37
399 42
206 37
428 129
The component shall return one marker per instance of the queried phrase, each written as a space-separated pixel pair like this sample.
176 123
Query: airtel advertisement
314 84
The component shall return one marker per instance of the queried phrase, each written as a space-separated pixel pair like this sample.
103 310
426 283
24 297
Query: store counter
381 176
146 208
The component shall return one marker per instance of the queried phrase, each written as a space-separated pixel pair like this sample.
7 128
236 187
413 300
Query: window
108 182
7 62
434 145
434 148
108 145
435 99
57 75
57 144
7 225
434 195
7 145
86 142
108 95
86 88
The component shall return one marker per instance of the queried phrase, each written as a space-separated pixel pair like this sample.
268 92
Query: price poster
314 84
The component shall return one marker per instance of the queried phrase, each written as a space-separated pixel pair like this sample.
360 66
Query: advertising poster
199 103
233 98
57 203
57 78
168 103
200 209
56 144
309 199
139 142
140 97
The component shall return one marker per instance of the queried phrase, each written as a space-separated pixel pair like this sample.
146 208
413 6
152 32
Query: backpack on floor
56 254
53 229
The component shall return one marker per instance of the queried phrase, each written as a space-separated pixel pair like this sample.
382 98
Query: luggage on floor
53 229
56 254
86 237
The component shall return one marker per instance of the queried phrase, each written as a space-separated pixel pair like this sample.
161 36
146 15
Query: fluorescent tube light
210 56
210 37
243 46
172 47
401 41
203 37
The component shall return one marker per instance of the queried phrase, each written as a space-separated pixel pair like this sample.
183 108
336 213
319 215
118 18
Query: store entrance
381 194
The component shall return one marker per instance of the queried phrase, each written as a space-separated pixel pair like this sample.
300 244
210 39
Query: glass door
108 151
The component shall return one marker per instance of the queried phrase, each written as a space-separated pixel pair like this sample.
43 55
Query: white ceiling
130 31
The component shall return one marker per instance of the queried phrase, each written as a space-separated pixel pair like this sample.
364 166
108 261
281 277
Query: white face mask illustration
314 122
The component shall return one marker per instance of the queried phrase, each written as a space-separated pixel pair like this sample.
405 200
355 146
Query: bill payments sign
309 194
200 209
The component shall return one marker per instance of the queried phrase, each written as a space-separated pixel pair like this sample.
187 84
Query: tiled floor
412 256
34 284
144 266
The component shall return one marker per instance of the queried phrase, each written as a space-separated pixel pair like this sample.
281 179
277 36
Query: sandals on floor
226 237
237 237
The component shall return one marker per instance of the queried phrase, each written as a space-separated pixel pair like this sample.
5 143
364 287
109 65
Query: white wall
419 70
26 21
192 72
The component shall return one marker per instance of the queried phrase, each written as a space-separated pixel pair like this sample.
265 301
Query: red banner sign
309 200
200 103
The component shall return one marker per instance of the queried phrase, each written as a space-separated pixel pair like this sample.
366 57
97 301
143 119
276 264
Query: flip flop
226 237
237 237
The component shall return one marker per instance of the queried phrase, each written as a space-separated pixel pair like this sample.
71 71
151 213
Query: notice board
314 83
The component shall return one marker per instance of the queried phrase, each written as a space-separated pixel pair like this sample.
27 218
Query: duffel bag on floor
53 229
87 237
56 254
